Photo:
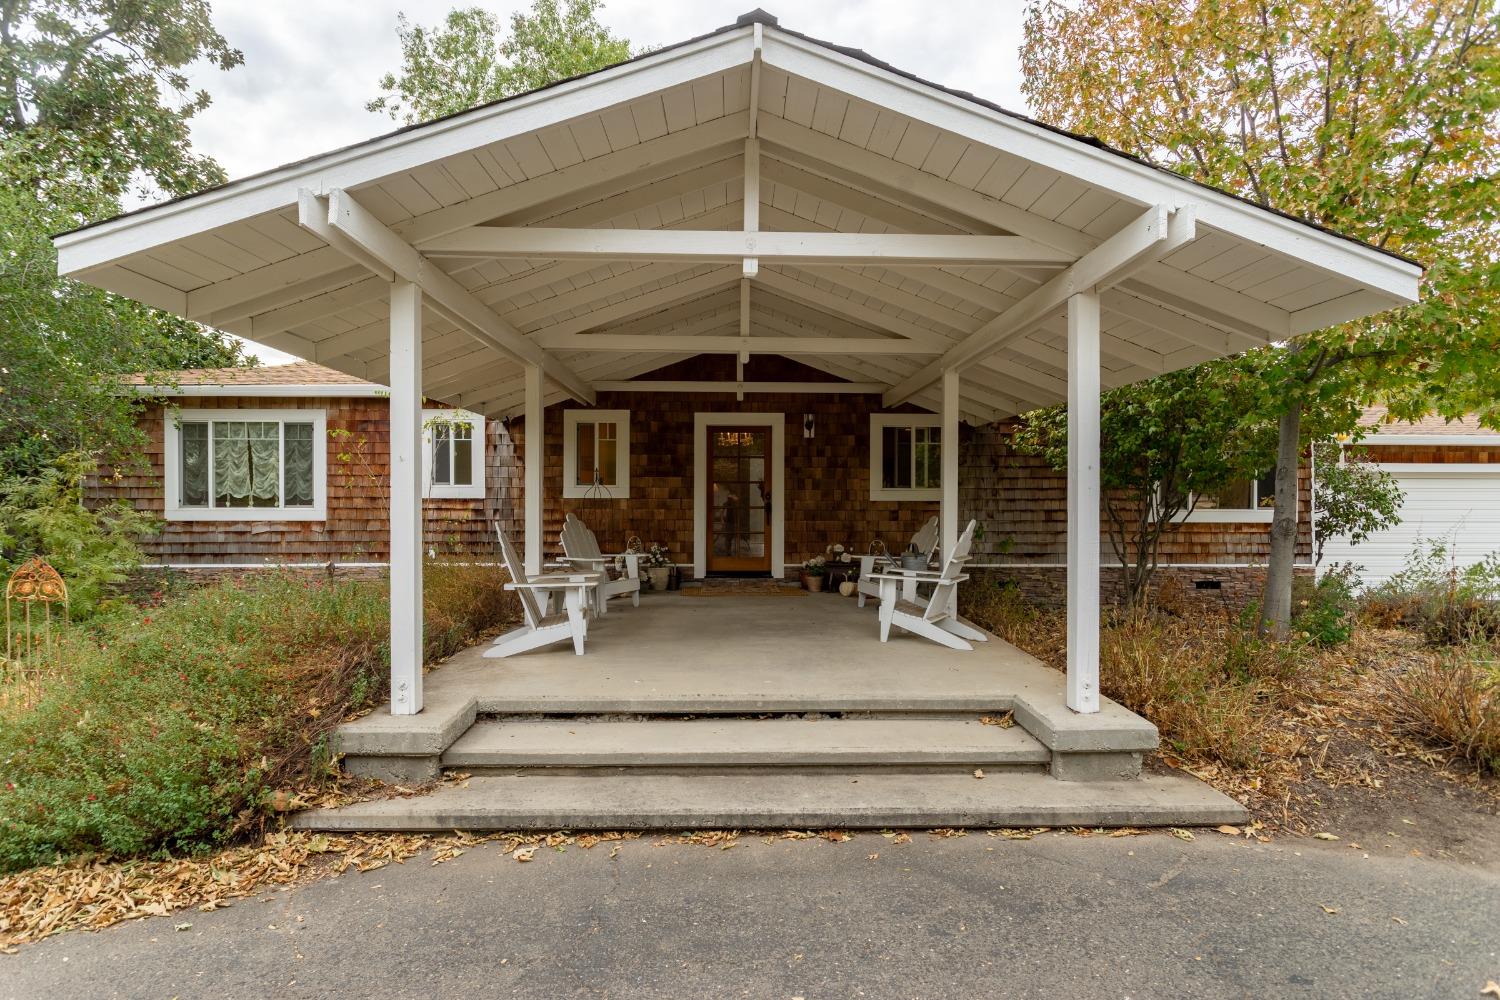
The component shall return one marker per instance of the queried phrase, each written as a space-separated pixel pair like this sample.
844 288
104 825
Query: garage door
1462 508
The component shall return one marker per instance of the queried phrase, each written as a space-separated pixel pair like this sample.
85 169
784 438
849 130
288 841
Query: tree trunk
1276 602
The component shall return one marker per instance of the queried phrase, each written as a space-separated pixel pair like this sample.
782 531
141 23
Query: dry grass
1452 697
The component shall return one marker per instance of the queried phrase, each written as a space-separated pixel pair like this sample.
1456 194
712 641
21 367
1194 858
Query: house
1449 473
831 495
761 293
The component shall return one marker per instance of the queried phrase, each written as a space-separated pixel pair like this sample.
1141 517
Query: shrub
1323 609
44 516
1444 602
1453 698
170 728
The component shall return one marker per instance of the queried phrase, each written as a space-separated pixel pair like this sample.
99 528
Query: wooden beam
813 388
790 346
374 239
536 418
751 201
721 246
1154 233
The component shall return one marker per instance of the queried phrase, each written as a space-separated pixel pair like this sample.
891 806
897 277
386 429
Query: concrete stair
782 742
775 801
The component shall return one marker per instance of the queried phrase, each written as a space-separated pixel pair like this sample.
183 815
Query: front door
739 514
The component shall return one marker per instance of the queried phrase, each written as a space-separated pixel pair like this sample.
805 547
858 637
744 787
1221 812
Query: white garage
1456 502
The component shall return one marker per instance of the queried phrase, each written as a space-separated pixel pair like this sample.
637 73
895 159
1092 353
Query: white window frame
878 423
448 491
572 490
1220 515
172 455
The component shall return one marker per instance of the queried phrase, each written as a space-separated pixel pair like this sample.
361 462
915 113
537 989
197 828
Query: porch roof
611 224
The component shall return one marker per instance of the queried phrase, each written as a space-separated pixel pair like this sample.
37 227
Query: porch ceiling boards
826 141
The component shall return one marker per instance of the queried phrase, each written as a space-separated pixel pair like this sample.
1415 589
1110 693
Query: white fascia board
400 151
1471 440
319 391
1133 181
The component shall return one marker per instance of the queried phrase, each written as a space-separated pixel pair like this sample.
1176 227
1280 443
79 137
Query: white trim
1439 468
880 421
1117 565
1082 581
1125 177
571 490
172 420
399 151
439 491
1220 515
701 423
1472 440
218 390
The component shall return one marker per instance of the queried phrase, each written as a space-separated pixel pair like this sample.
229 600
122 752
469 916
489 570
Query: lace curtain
299 465
247 459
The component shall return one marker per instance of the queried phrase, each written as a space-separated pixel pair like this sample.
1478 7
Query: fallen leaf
524 853
1330 909
1229 831
1324 836
1399 921
978 772
182 927
872 857
1182 834
1491 989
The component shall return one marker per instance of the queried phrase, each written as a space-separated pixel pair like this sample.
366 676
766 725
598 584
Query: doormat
743 588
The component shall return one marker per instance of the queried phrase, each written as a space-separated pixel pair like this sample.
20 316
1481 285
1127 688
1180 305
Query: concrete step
718 743
738 801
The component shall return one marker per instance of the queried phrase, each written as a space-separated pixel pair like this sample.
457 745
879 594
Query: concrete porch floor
640 731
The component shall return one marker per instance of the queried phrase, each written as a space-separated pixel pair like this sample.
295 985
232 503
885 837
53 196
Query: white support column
406 498
535 437
948 453
948 521
1083 502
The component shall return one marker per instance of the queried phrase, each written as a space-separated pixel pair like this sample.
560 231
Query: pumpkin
848 587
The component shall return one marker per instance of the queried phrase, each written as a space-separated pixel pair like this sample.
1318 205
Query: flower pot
815 584
658 575
913 561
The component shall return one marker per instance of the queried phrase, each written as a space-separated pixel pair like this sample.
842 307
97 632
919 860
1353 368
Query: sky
310 65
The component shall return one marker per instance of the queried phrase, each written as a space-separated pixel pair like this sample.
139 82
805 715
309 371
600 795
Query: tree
85 119
1353 497
470 60
1377 118
1163 443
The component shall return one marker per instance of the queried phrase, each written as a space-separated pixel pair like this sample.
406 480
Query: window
1238 500
453 454
596 454
906 456
226 465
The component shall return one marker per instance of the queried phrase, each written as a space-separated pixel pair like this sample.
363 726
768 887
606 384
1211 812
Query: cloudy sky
310 65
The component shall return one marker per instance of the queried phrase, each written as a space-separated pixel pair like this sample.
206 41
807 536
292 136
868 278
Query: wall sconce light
807 425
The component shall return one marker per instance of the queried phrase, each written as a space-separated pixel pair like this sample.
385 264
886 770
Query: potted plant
813 572
656 564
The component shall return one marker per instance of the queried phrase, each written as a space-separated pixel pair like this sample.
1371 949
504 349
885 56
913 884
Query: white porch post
1083 502
948 452
406 498
535 438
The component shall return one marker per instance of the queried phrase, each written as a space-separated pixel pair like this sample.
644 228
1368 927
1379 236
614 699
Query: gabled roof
1378 418
844 144
301 378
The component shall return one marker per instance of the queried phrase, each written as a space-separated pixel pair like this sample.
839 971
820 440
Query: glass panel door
739 517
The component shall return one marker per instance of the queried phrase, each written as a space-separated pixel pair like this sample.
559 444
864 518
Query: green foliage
169 729
1353 498
1323 610
43 515
1162 442
84 116
1447 603
470 60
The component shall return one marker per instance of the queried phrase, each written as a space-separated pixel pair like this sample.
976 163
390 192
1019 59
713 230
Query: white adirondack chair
543 628
925 540
581 549
937 620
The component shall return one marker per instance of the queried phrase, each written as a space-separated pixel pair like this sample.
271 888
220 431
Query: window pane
587 461
442 455
1234 496
299 465
929 457
609 473
265 463
1265 489
193 472
463 456
895 458
231 472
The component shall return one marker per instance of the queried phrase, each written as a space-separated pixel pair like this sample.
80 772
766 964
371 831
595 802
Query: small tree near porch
1162 444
